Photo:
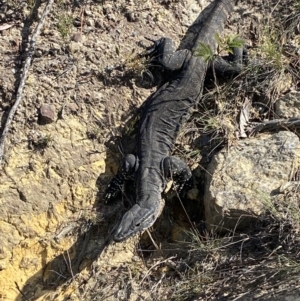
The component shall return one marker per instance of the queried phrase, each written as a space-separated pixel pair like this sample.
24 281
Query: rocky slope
82 92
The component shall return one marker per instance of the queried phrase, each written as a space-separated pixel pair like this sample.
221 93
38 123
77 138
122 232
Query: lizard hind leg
232 64
164 54
129 167
176 169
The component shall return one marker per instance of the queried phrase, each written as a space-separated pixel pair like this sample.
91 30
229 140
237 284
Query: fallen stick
23 77
276 124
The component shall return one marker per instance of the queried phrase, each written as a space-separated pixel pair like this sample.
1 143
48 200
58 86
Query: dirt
82 93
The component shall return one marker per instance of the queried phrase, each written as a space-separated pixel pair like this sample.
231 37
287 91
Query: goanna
164 113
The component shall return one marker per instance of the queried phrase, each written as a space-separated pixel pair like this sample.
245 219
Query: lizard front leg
177 170
129 167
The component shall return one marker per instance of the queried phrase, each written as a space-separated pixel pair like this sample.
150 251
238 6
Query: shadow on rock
92 239
93 235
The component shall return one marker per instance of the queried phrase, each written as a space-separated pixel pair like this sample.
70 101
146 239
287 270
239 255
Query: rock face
240 182
288 106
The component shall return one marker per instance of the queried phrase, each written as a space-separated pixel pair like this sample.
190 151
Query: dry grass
262 259
261 262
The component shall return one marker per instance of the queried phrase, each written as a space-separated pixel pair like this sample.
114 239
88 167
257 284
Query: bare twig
24 76
276 124
153 241
20 291
155 265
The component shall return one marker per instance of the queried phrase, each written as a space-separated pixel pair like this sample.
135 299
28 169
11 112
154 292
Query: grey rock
288 106
132 16
107 8
74 47
55 46
88 12
38 53
90 22
240 182
9 12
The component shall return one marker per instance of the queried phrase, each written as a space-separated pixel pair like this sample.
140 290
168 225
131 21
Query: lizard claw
151 50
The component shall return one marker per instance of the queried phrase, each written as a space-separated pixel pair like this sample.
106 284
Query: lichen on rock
240 182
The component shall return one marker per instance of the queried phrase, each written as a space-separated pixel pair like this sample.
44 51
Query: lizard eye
138 224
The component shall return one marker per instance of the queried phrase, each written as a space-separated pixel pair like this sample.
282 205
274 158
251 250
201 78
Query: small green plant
271 48
64 25
137 67
229 42
224 45
205 51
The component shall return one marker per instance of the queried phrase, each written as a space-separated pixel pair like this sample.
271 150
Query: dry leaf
6 26
244 117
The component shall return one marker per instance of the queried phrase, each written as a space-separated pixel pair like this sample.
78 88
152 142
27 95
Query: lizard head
137 219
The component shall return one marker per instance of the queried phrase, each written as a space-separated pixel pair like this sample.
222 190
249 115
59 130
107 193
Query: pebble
74 47
88 12
47 113
9 12
77 37
132 16
99 24
107 9
90 22
38 53
55 46
77 22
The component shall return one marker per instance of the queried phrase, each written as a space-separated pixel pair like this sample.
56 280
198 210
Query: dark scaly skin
163 116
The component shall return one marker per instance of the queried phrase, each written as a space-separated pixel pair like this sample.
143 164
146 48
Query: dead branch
23 77
276 124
